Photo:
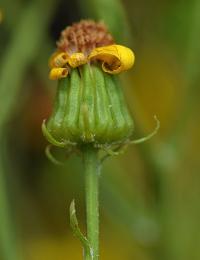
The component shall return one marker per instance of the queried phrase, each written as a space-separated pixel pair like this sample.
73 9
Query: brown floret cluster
84 36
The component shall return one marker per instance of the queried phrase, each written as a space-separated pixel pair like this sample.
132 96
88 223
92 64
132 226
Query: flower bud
89 106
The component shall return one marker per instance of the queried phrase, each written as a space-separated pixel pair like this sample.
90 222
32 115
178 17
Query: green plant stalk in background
26 40
102 10
8 245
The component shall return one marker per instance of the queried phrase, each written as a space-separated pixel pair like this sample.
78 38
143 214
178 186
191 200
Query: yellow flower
77 59
115 59
58 73
58 59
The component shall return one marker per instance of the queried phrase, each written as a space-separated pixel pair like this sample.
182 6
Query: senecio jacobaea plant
90 113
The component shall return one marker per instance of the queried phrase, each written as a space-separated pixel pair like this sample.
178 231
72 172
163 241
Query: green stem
91 165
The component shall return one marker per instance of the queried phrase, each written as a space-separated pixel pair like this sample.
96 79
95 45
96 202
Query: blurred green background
149 197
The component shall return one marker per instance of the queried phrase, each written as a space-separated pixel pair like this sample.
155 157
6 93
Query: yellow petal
77 59
58 59
58 73
115 58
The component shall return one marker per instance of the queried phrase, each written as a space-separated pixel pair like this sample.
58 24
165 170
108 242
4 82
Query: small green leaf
77 232
146 138
51 157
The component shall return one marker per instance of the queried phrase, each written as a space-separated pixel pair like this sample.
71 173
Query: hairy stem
91 165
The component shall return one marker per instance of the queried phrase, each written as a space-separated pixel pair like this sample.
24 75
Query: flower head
89 105
87 42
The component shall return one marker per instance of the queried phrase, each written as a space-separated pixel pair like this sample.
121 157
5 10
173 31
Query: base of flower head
111 149
89 108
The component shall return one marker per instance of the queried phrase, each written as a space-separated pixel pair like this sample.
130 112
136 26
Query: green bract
89 108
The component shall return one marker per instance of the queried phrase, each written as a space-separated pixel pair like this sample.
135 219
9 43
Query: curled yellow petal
115 58
58 59
77 59
58 73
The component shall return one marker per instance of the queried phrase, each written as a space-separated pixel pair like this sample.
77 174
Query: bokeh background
149 197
